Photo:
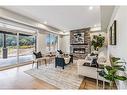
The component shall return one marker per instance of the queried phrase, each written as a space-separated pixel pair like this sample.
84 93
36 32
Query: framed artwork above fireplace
78 38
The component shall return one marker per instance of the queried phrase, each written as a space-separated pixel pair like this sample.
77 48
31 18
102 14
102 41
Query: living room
69 47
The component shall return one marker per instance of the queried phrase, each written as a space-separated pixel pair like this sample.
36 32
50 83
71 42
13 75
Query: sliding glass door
8 49
11 46
16 48
26 47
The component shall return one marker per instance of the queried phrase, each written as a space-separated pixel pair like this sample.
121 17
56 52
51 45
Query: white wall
41 44
65 43
59 42
119 50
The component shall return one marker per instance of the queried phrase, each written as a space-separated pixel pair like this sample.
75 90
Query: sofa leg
63 67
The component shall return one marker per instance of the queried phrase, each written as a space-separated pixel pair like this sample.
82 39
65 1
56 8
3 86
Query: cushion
60 52
38 54
92 54
101 58
60 55
95 52
67 59
89 57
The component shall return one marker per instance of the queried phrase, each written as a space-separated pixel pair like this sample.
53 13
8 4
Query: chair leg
63 67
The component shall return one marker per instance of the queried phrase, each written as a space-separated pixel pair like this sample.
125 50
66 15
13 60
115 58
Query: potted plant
110 72
98 41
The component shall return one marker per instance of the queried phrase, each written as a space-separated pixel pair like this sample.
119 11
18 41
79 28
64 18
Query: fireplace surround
78 49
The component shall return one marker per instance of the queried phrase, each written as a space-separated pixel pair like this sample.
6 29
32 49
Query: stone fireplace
80 50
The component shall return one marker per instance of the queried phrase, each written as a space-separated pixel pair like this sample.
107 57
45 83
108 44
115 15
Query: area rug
61 78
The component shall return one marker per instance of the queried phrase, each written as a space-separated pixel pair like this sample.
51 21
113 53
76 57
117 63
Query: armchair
61 61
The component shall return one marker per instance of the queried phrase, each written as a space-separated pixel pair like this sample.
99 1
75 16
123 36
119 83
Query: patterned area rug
61 78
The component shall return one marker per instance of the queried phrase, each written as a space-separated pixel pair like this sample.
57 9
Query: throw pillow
38 54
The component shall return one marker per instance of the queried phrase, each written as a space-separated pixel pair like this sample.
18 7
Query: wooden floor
15 78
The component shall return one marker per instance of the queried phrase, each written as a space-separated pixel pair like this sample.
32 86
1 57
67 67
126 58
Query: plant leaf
119 68
112 72
101 73
114 59
120 78
109 77
108 67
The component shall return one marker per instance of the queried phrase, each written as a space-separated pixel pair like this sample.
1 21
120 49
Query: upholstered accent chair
63 61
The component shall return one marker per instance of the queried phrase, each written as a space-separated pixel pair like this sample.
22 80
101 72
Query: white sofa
87 70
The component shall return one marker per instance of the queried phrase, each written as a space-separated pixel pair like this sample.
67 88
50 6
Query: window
51 42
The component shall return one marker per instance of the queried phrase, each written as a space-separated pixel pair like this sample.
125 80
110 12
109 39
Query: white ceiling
61 17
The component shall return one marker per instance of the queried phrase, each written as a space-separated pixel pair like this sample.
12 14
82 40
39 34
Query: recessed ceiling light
90 8
45 22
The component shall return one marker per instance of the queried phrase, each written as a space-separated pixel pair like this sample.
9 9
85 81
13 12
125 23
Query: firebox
79 50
